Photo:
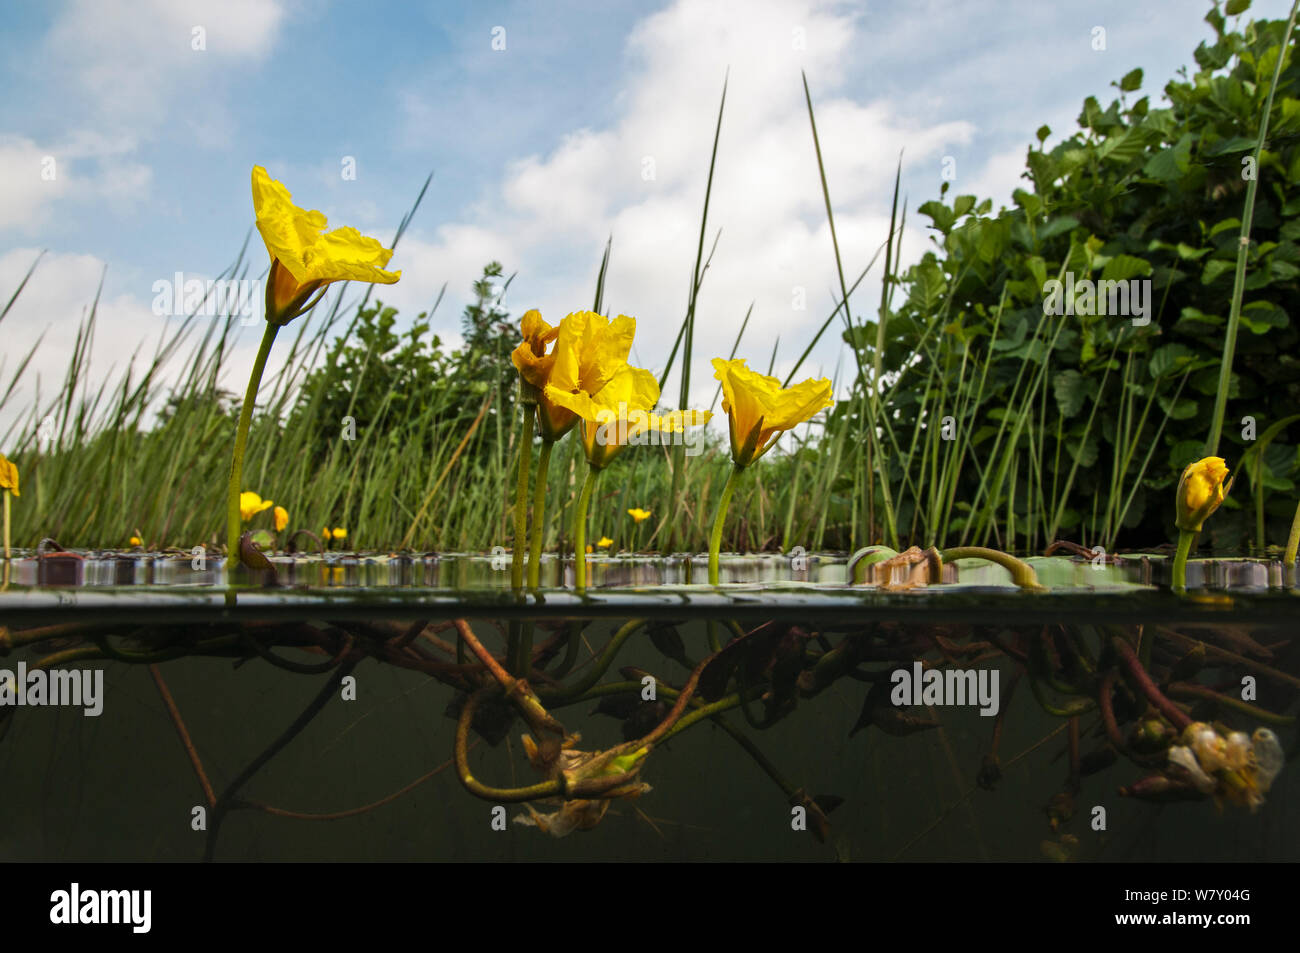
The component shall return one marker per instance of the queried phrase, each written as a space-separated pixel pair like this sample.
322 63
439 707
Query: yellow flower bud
1200 491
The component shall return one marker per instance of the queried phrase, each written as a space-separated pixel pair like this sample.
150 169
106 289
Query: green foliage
1079 424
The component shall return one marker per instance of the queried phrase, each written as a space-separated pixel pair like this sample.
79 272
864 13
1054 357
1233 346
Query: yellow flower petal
639 515
281 518
340 533
8 475
1200 491
250 504
297 240
758 407
605 542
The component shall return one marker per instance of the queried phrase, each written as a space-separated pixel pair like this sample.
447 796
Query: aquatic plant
1201 490
758 409
8 488
305 260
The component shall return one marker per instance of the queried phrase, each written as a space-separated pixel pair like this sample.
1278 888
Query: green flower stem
580 529
539 516
521 498
1022 574
1243 247
715 538
241 443
594 674
1292 541
1185 540
7 494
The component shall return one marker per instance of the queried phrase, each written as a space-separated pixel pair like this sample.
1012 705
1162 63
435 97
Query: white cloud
551 213
135 56
51 310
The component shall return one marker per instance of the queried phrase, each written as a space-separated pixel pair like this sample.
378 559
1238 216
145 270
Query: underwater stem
241 442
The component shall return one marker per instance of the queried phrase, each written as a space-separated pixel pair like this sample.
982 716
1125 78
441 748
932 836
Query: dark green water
120 785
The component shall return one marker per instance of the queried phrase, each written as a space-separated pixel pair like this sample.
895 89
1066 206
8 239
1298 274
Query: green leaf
1057 226
1132 80
1031 203
940 214
1043 133
1214 268
962 204
1236 7
1169 358
1227 146
1068 386
1124 147
1184 409
1171 163
1124 267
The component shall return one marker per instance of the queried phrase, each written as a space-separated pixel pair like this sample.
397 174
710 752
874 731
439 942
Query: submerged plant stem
580 528
539 516
715 538
521 498
241 442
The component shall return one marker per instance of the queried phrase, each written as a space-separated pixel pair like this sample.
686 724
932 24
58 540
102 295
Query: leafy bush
1078 425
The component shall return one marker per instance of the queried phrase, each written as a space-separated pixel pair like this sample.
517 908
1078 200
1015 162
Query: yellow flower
590 350
136 541
639 515
8 475
605 542
339 533
304 257
621 413
1200 491
250 504
530 357
281 518
758 407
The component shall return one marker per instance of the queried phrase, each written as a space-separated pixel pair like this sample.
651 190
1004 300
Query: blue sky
538 150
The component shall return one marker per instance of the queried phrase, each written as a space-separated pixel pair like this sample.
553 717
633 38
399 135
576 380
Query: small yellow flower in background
136 541
605 542
590 549
639 515
758 407
339 533
281 518
8 475
1200 491
304 257
250 504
